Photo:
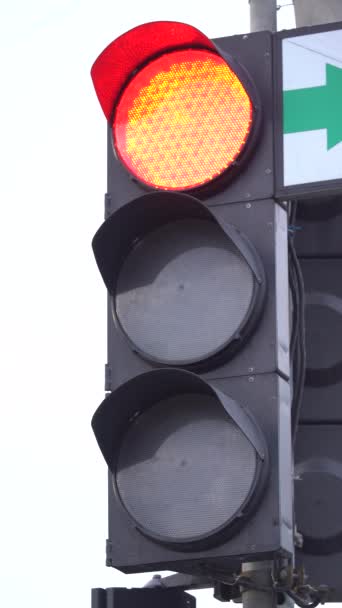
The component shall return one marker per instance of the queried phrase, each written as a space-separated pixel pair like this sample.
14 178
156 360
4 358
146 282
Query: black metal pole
98 598
119 597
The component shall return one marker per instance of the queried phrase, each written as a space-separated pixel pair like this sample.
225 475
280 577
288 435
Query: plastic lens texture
182 120
183 292
184 468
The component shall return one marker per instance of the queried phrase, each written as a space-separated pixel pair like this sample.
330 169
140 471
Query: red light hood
122 56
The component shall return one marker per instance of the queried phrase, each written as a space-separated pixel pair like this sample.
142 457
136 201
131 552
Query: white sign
312 105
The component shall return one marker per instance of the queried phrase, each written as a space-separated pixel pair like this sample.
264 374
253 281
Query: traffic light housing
195 428
318 449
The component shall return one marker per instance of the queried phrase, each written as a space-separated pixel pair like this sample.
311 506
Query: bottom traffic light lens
185 470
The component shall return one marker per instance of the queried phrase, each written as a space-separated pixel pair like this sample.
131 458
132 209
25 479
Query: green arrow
316 107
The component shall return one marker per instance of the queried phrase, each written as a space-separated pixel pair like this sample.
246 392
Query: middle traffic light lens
182 120
184 292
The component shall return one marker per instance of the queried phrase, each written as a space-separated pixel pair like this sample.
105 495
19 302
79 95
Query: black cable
304 596
314 596
295 306
293 212
293 282
299 354
297 344
279 6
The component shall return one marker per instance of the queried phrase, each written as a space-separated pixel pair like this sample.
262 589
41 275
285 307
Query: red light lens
182 120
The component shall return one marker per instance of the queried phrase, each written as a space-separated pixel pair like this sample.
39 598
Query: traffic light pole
261 575
263 15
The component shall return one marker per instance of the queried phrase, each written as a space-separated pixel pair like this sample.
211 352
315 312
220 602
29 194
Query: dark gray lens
184 467
183 292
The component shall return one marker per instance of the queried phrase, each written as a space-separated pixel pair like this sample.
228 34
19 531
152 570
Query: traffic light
195 427
318 454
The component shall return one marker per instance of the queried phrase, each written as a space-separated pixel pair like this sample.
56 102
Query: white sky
53 522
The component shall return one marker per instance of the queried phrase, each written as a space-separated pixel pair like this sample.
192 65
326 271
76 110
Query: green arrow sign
316 107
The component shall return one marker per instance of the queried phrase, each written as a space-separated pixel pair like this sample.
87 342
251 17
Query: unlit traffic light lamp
195 428
187 288
176 448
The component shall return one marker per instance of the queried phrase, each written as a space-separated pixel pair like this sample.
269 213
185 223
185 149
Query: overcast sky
53 334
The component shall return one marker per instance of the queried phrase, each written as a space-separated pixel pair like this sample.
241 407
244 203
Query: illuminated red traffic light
182 120
180 113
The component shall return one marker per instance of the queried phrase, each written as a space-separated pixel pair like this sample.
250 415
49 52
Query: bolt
283 574
248 205
251 369
268 171
298 539
251 379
